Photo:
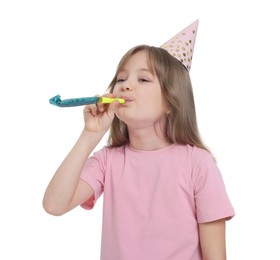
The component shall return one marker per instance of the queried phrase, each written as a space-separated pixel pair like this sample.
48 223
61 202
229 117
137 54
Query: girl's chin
127 118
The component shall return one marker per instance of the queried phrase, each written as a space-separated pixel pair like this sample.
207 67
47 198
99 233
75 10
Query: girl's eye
120 80
143 80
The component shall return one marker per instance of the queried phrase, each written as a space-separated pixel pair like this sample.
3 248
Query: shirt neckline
130 148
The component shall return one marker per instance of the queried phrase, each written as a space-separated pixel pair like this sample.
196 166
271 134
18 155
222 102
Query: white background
72 48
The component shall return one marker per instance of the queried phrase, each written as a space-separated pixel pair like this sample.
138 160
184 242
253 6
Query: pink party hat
181 46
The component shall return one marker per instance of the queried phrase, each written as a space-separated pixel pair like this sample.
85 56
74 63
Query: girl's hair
181 124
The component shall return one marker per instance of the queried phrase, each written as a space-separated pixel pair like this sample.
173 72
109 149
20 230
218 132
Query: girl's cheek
115 90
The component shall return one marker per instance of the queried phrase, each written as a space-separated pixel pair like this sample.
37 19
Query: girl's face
144 106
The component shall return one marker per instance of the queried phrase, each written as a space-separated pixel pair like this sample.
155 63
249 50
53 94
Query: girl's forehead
140 60
140 56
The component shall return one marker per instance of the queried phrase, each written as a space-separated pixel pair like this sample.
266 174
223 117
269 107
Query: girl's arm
66 190
212 240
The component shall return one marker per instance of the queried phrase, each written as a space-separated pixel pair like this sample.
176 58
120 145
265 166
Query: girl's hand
98 117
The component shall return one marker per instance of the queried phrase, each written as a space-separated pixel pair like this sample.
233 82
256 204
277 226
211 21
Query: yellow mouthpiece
108 100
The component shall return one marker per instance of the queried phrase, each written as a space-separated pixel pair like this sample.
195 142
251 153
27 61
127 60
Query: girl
164 197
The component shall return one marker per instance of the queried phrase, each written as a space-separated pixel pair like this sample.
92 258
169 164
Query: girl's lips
127 99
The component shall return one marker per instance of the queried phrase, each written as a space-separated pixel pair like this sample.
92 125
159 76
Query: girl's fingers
90 110
100 107
95 109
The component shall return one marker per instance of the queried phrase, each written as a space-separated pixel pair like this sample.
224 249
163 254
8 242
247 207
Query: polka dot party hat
181 46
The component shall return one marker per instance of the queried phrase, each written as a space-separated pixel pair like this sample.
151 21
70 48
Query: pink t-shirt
154 200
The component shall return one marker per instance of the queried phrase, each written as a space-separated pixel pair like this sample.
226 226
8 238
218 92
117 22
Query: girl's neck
141 139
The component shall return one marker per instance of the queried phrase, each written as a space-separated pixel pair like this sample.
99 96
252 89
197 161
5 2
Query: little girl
164 197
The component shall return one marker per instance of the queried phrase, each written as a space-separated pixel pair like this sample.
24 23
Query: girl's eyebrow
145 70
141 69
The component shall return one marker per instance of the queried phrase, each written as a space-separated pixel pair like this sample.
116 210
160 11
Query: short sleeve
93 173
212 201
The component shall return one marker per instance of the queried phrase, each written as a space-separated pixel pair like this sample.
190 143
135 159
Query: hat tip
181 46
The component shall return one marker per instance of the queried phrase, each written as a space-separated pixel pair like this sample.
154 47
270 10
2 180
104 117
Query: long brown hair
174 79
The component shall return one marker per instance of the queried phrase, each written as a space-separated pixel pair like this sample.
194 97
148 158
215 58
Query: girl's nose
126 87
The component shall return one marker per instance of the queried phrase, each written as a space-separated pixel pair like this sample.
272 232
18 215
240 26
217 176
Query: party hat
181 46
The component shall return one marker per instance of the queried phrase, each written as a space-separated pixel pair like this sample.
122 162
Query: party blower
73 102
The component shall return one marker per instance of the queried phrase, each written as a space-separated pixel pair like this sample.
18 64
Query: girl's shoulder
193 155
106 152
192 151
